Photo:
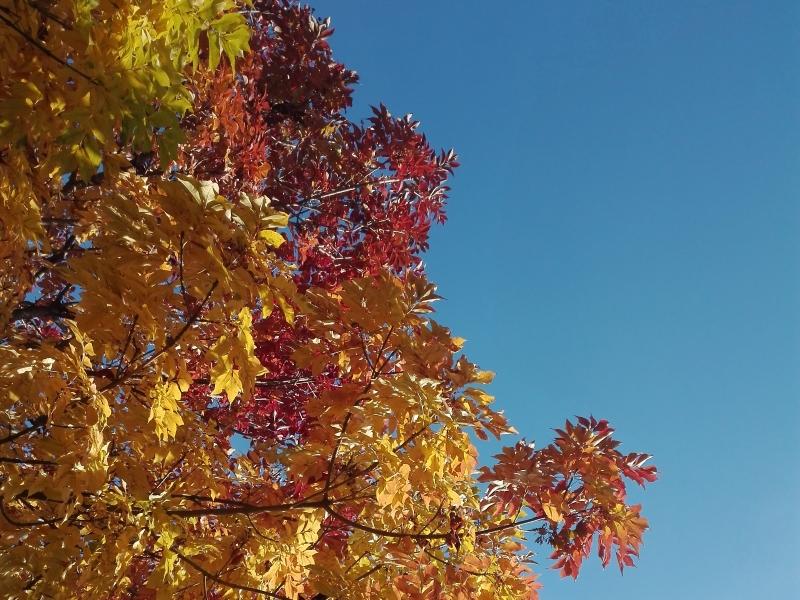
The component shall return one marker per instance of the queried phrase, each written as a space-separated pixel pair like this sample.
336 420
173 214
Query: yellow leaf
272 237
164 410
551 512
286 308
394 489
484 376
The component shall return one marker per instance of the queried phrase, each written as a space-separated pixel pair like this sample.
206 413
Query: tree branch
52 310
46 51
24 523
383 532
511 525
422 536
370 572
25 461
208 574
36 423
413 436
375 371
46 13
171 341
449 564
244 509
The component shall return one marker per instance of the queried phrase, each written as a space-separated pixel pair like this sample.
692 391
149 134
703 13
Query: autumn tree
199 246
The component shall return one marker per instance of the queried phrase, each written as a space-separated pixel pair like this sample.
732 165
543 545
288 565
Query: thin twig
46 51
24 523
230 584
46 13
370 572
25 461
375 371
171 341
511 525
384 532
413 436
449 564
36 423
120 369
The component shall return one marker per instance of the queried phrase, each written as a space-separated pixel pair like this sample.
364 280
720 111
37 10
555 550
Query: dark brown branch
128 340
184 294
422 536
49 15
245 588
335 485
25 461
347 190
383 532
375 372
370 467
332 460
370 572
258 532
245 509
51 310
511 525
171 341
170 471
46 51
24 523
449 564
266 383
198 498
278 381
413 436
434 516
59 255
36 423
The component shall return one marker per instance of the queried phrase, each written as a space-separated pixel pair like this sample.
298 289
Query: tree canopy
219 371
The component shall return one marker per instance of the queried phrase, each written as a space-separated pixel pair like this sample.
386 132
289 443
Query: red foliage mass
361 197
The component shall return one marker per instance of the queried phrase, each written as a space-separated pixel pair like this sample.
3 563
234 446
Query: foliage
193 254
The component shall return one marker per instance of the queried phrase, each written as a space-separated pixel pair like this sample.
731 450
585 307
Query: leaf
273 238
286 308
224 375
393 491
551 512
164 410
233 36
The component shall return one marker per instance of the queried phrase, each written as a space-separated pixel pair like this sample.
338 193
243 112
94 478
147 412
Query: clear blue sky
624 241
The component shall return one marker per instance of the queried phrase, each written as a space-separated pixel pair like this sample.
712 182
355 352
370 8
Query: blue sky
623 241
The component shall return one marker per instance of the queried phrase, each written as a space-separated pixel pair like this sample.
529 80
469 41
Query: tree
194 254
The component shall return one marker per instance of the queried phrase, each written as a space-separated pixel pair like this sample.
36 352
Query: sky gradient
623 242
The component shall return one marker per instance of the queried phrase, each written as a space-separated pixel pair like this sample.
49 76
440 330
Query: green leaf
213 50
